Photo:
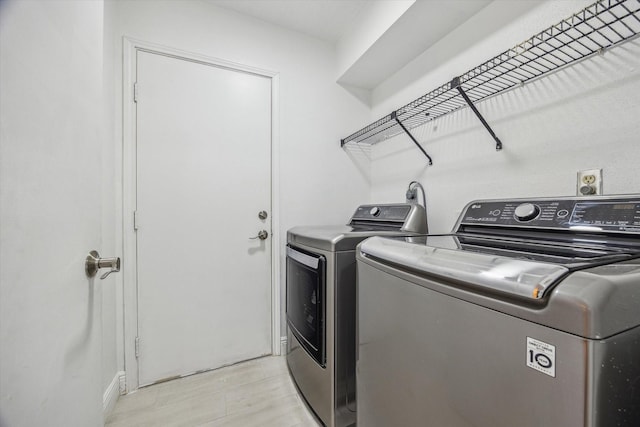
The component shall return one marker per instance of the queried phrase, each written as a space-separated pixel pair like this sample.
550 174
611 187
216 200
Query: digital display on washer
613 214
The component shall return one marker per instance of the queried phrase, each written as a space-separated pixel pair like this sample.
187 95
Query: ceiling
325 19
379 36
424 24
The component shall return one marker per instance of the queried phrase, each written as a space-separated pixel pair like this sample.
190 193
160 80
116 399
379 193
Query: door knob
262 234
93 263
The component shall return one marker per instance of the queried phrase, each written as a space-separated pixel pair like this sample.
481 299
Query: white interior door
51 209
203 175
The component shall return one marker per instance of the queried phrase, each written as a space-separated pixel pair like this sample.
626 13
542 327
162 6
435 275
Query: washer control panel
621 214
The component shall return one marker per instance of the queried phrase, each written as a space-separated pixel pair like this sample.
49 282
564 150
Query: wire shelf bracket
591 31
393 116
455 84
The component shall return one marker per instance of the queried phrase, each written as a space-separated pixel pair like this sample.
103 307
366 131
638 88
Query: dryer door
306 275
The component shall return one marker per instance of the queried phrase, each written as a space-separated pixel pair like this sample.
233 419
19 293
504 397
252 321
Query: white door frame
130 291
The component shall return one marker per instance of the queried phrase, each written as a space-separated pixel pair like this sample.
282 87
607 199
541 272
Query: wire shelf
602 25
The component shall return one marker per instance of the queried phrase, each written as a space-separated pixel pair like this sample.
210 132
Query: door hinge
135 220
137 347
135 92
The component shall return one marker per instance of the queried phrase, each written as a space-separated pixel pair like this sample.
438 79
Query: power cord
412 195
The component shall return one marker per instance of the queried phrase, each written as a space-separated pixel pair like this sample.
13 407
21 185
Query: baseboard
283 345
123 383
111 394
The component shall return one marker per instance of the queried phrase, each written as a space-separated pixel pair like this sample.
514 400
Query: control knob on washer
526 212
375 211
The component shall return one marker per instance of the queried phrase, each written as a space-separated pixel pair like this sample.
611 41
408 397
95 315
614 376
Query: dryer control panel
610 214
408 217
398 213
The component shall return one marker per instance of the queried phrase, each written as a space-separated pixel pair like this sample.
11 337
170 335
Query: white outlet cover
596 186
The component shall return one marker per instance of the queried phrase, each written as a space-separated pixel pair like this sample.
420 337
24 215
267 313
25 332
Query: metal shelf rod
412 138
455 84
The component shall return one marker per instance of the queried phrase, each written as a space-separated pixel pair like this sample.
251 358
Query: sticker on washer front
541 356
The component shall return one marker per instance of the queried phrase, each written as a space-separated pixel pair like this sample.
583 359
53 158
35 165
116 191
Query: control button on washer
526 212
563 213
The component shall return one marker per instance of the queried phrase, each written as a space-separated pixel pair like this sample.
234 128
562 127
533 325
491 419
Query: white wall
51 132
319 184
581 117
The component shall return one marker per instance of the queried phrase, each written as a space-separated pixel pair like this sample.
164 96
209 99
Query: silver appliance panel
618 215
330 390
451 329
391 220
407 217
497 265
306 301
426 357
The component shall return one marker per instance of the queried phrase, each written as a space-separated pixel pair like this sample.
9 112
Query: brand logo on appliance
476 206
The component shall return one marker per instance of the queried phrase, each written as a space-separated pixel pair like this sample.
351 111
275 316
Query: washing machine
527 314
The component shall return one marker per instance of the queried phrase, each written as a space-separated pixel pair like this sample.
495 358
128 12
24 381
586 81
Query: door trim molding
128 161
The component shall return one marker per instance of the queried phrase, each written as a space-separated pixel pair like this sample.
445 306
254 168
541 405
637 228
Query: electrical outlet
589 182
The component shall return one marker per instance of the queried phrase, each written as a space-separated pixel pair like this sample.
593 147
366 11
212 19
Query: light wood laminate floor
259 392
